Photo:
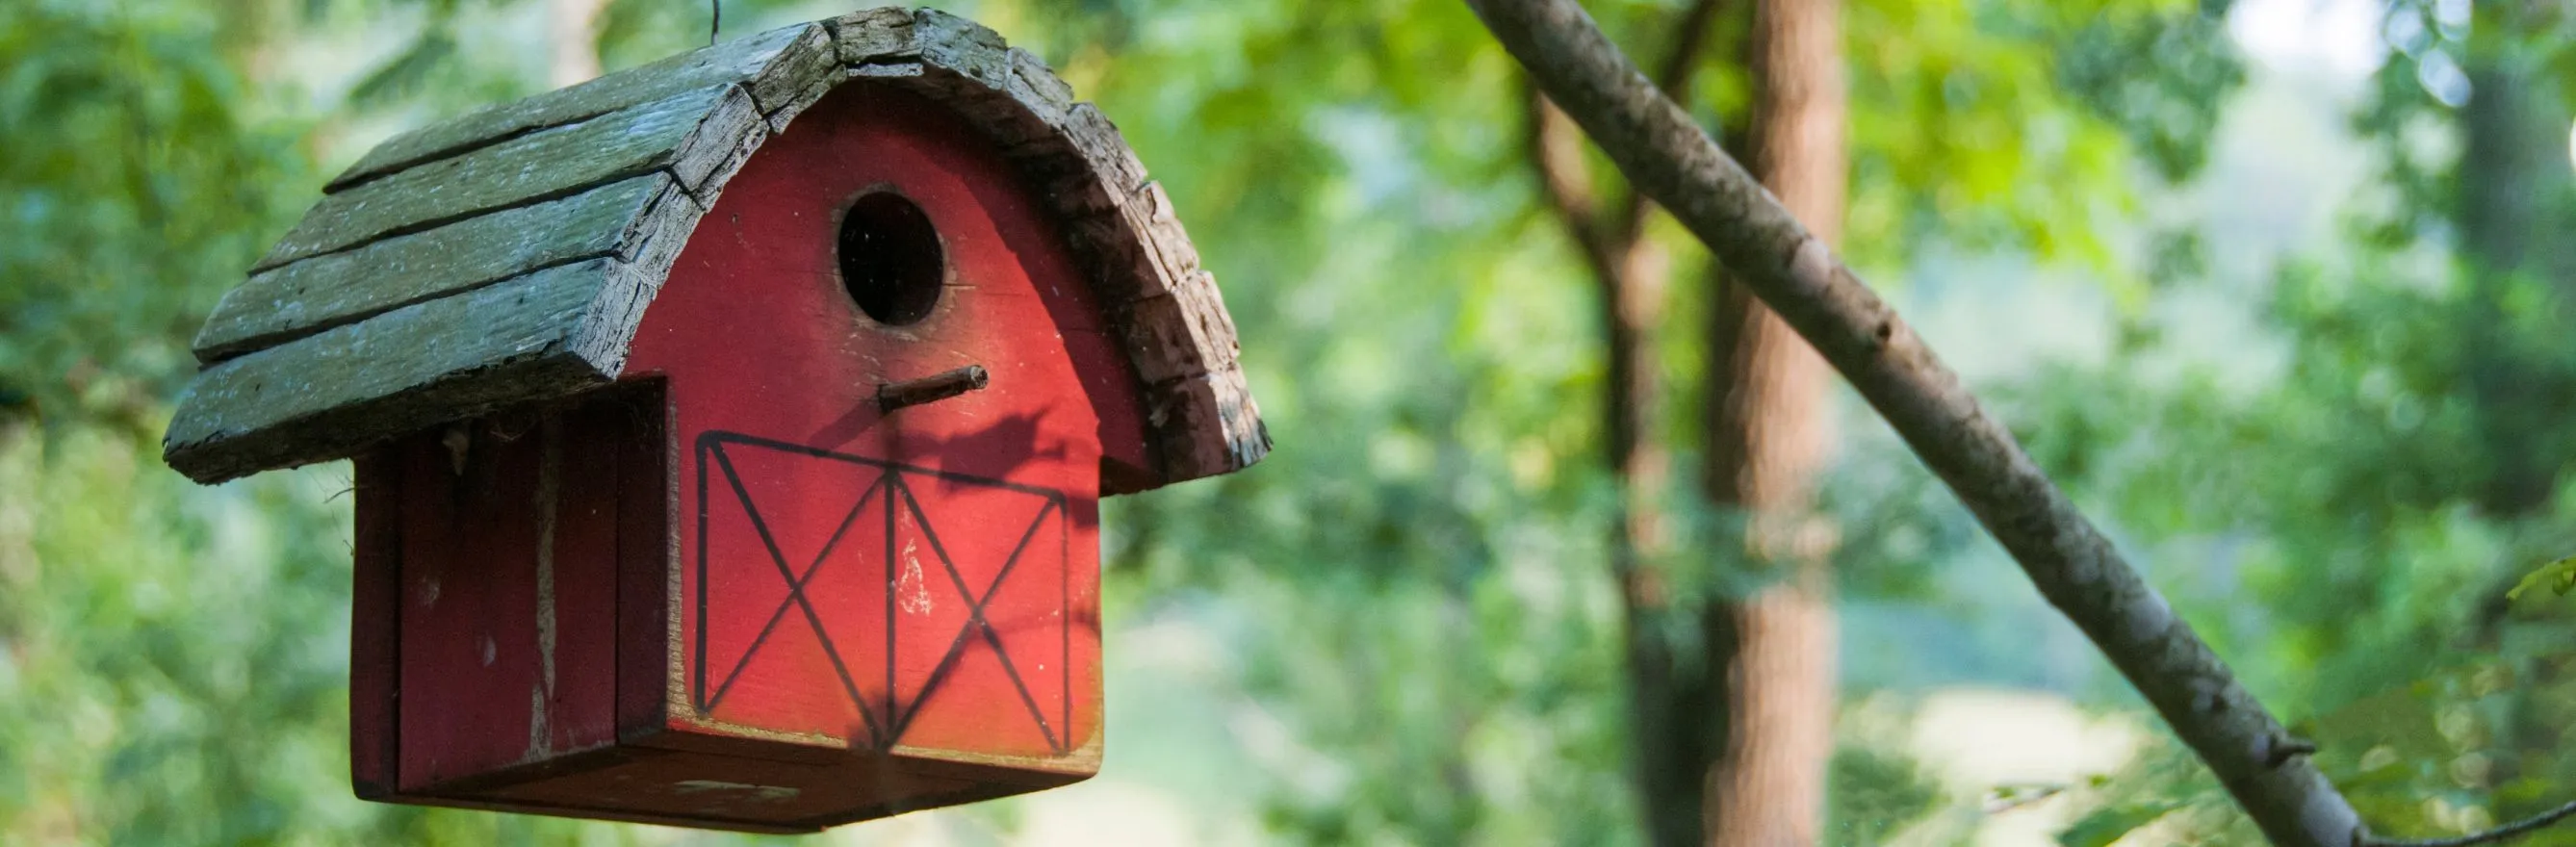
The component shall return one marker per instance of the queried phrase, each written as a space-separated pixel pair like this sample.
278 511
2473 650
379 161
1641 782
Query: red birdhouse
730 432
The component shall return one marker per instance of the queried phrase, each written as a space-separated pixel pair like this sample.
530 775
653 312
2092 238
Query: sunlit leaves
2558 577
2386 496
2004 124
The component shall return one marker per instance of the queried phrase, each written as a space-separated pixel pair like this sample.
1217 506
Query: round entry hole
890 259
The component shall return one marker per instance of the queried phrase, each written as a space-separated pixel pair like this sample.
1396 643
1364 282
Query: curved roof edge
506 256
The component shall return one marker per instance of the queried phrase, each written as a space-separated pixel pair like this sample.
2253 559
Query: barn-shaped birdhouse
730 431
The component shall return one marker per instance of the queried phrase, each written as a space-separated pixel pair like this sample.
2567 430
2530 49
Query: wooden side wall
488 581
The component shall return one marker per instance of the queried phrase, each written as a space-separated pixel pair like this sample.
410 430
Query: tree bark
1663 153
1770 432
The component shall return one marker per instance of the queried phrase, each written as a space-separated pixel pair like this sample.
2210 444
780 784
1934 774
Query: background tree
2407 466
1770 429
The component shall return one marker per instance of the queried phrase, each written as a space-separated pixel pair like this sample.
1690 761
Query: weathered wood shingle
769 60
507 256
326 291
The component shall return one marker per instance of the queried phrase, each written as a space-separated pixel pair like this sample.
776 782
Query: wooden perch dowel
1669 157
936 387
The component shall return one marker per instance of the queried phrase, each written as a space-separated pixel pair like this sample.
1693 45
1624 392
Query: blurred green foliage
1414 586
2406 473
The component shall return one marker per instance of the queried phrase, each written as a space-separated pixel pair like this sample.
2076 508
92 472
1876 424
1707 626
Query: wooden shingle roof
507 256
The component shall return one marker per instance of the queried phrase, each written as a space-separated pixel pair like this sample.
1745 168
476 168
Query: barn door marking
898 495
795 591
975 622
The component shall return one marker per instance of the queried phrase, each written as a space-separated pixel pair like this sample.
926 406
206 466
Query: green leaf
2559 576
2108 824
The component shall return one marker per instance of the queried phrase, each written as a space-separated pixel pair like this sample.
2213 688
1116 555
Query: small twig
2286 748
349 486
715 20
2498 835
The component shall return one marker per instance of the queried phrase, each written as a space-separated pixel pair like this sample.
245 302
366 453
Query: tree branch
2498 835
1666 155
1690 39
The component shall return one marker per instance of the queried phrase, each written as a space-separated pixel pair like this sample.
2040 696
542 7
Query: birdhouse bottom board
523 612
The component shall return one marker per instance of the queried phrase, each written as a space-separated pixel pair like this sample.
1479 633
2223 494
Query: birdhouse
730 431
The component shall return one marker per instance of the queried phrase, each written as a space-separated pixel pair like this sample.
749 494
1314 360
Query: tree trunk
1770 430
2515 197
1665 701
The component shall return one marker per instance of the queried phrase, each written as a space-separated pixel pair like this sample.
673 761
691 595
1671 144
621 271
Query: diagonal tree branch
1666 155
1690 39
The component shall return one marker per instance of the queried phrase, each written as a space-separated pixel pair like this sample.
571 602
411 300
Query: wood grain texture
375 602
786 113
538 166
648 556
1167 260
809 59
1038 89
306 297
748 59
873 34
719 146
769 796
1104 150
1183 333
511 592
329 395
450 210
962 46
608 324
1186 409
508 598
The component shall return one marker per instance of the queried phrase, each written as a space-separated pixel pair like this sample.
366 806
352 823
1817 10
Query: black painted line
819 453
795 589
812 617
